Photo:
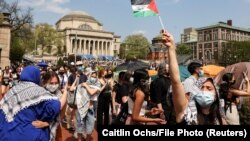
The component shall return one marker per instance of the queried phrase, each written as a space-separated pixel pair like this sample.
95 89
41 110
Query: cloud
32 3
143 32
60 1
54 6
57 9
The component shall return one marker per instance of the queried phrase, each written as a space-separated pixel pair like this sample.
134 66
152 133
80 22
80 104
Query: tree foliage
17 50
60 62
47 37
234 52
135 46
183 49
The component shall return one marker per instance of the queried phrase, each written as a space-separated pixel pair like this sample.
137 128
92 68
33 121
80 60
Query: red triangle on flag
152 6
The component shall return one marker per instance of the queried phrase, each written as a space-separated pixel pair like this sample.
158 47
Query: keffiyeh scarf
22 96
82 99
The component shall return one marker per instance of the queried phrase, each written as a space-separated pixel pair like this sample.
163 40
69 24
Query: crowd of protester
44 97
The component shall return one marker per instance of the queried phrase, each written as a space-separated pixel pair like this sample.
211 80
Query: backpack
71 99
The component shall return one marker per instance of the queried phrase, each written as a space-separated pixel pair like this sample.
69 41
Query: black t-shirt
122 90
159 89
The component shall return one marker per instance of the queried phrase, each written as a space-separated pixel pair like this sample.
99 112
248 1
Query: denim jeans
87 123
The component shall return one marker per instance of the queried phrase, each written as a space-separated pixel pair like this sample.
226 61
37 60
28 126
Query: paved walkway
68 135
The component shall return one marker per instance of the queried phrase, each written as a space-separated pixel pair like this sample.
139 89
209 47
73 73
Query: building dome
79 16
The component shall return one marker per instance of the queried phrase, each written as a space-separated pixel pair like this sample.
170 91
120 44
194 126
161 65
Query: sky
116 15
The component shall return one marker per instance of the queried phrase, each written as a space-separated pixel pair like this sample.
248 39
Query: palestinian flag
144 8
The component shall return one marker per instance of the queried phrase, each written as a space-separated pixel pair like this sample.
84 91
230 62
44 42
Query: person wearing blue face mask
51 83
93 88
203 106
195 69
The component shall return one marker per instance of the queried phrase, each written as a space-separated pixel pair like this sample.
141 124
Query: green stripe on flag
144 13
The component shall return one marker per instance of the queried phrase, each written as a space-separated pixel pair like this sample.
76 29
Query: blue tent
109 58
184 73
42 64
87 56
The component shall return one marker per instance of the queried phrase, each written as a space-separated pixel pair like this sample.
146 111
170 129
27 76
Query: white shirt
131 106
189 84
95 96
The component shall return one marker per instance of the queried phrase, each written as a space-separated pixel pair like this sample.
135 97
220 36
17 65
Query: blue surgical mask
52 88
92 80
204 99
201 73
80 68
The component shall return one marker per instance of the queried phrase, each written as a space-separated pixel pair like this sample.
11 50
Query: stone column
68 44
105 45
102 48
5 35
72 46
108 46
93 48
111 49
80 47
98 45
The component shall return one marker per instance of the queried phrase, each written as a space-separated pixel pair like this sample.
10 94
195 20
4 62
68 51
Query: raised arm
179 99
63 98
92 91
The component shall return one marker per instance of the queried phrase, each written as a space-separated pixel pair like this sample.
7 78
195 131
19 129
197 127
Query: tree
183 49
17 50
135 46
60 62
21 22
47 37
234 52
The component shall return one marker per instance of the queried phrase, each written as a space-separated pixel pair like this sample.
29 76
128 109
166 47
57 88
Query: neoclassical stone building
84 35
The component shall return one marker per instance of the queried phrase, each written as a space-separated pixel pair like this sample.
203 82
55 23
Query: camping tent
184 73
212 70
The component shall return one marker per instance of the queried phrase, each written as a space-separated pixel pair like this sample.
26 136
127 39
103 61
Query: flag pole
162 25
